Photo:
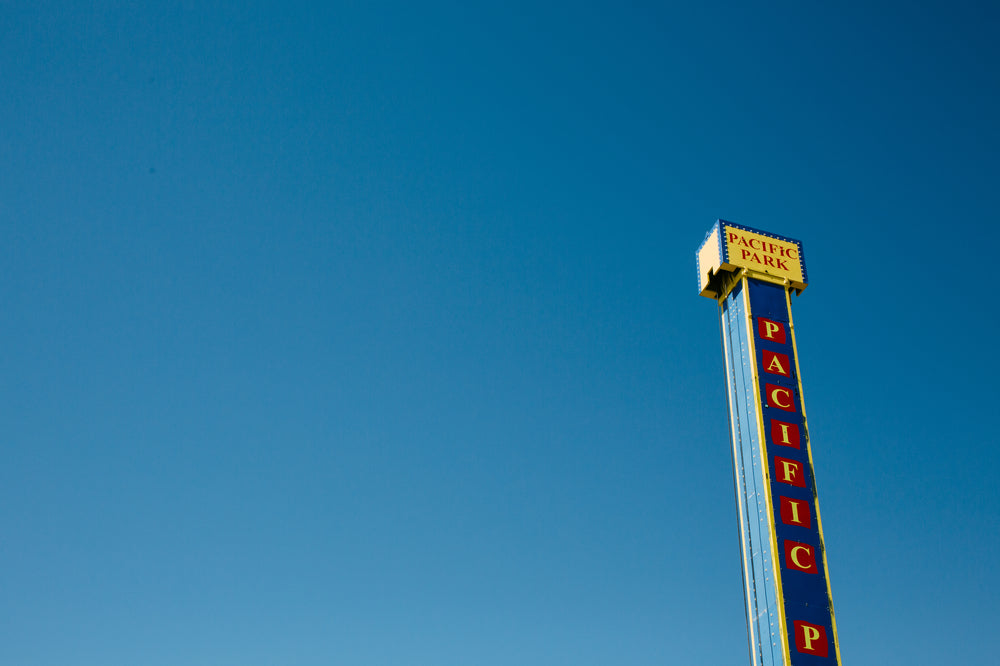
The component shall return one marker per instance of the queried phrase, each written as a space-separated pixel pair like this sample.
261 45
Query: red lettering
782 265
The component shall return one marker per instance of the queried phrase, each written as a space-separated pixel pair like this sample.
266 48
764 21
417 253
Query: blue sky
368 333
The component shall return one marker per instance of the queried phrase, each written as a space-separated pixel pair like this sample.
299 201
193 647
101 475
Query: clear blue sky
367 333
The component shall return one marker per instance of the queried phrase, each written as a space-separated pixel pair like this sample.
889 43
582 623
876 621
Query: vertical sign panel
807 608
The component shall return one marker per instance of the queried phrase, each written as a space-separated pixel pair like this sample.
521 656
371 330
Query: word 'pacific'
763 252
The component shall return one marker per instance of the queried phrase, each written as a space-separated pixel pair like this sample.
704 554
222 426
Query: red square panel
780 397
771 330
776 364
795 512
800 557
811 639
785 434
788 471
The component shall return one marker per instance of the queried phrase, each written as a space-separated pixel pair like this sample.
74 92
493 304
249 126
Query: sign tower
789 607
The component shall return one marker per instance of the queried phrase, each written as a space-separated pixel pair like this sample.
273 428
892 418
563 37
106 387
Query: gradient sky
368 332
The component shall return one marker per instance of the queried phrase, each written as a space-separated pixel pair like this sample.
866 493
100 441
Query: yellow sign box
729 248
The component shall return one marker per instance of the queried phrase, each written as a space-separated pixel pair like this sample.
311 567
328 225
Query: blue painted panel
805 593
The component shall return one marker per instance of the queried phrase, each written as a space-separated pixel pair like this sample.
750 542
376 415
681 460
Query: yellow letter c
794 554
779 390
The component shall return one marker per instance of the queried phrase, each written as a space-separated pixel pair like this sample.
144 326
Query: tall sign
789 608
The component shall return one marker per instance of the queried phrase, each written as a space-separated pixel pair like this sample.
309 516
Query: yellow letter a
775 366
